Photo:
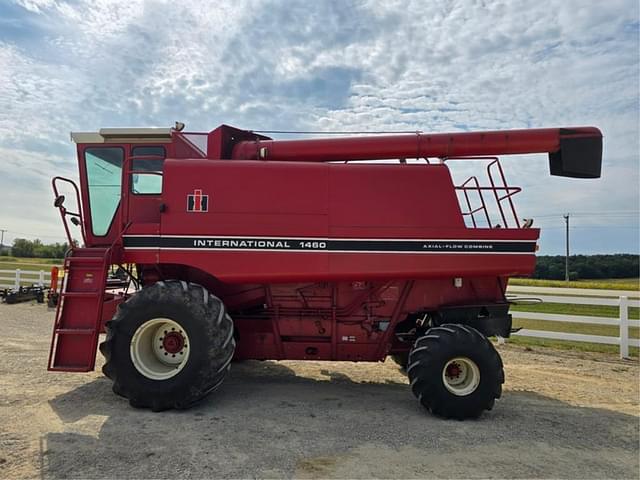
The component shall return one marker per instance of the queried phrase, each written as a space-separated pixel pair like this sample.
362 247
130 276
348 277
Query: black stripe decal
330 245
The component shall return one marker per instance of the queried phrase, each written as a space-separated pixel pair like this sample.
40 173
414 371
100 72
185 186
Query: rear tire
168 346
455 372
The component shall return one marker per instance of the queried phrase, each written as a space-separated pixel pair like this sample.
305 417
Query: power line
620 212
321 132
591 214
573 227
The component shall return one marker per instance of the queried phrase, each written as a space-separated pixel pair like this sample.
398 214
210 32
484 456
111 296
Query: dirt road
561 415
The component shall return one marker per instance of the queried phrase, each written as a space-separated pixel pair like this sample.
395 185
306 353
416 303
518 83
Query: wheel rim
461 376
160 348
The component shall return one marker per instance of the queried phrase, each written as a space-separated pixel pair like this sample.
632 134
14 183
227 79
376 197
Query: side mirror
58 201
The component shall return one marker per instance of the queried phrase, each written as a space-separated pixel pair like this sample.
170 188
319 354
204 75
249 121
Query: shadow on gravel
268 422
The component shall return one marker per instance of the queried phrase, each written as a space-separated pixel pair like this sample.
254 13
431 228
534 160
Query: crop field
605 283
35 264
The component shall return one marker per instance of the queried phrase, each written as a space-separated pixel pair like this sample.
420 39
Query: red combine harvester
245 247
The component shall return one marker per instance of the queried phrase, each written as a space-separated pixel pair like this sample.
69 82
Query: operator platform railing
498 187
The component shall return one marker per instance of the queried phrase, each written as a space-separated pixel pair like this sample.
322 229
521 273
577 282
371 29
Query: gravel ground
561 416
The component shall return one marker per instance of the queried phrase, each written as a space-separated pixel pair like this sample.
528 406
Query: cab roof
124 135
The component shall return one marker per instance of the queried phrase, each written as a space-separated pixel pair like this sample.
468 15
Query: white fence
15 278
588 297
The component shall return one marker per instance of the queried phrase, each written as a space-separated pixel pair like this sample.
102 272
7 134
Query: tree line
588 267
35 249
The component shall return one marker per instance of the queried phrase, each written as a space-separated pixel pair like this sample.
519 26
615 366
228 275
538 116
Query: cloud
36 6
331 65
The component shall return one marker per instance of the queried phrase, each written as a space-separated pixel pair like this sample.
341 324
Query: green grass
583 328
568 309
35 264
604 284
635 281
26 265
46 261
572 346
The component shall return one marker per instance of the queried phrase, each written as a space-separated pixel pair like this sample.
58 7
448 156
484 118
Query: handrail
64 212
508 196
107 253
483 205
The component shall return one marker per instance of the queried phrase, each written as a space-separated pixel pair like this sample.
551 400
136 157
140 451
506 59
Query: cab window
104 180
146 178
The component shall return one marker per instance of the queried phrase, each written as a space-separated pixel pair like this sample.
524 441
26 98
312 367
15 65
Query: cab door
144 188
101 175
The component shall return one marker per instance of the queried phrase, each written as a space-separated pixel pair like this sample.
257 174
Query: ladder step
89 249
85 260
75 331
93 294
77 323
70 369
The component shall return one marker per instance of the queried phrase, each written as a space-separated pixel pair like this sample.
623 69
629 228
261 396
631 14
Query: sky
434 66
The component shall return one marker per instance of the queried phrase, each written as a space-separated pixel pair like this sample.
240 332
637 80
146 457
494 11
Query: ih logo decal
197 202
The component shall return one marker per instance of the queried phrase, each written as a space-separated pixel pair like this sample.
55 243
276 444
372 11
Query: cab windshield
104 181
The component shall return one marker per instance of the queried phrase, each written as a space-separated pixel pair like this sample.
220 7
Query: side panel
388 201
287 222
246 198
347 320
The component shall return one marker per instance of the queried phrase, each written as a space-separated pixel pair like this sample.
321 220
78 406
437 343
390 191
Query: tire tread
192 294
427 358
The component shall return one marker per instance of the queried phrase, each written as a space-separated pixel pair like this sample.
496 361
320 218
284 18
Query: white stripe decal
395 252
325 239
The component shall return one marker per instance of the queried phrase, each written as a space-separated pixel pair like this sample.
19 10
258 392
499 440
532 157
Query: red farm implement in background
240 246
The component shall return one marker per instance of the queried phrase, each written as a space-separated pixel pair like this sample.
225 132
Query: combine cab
245 247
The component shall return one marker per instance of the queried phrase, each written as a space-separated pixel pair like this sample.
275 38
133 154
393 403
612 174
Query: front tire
168 346
455 372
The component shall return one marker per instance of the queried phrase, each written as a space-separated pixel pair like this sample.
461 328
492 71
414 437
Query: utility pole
566 259
2 239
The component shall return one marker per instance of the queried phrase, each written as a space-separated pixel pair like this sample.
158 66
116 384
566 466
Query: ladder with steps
79 312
